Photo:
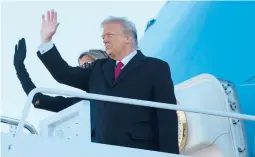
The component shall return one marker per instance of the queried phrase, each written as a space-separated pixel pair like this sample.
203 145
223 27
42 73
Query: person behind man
45 102
127 73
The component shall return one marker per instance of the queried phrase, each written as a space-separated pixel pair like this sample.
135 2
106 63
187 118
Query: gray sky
79 30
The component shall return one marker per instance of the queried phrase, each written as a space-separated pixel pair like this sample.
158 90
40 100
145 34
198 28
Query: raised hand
22 74
20 52
49 26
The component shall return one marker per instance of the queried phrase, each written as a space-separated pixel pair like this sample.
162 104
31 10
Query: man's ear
128 40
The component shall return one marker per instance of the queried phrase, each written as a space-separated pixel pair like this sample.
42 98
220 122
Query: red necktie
118 69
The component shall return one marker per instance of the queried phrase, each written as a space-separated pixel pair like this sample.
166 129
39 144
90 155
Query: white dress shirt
45 47
126 59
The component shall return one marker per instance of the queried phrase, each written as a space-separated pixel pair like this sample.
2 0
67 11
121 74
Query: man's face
114 39
85 59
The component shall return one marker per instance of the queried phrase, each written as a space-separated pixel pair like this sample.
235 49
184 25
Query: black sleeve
163 91
24 78
63 73
40 100
54 104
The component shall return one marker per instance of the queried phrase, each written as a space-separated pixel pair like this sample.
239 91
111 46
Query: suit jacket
143 78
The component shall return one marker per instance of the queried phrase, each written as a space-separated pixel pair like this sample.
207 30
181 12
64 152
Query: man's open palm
49 26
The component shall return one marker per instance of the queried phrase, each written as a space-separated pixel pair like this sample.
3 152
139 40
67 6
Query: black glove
20 53
23 76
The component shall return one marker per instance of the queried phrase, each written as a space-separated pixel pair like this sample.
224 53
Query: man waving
127 73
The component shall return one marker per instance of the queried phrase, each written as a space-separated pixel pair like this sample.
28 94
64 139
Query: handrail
13 121
86 95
